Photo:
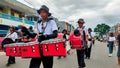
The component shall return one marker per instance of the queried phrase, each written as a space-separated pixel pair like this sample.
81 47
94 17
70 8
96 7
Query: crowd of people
47 29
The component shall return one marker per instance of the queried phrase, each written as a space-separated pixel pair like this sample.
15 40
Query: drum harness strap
84 43
40 21
9 34
44 31
45 26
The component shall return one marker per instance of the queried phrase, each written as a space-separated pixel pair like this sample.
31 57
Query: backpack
77 41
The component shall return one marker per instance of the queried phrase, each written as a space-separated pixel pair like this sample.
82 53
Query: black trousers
11 59
80 57
88 52
47 62
93 42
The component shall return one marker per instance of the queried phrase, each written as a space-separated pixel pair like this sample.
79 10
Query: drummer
46 29
12 35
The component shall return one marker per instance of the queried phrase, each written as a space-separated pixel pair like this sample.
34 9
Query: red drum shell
54 49
9 51
13 51
31 51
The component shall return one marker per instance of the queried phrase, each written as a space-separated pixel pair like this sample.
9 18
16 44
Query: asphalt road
99 59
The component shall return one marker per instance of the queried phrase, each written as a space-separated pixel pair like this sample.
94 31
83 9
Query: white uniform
50 26
13 36
81 30
89 42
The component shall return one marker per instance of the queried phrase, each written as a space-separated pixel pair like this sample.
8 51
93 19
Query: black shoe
8 64
12 63
59 57
81 67
64 56
88 57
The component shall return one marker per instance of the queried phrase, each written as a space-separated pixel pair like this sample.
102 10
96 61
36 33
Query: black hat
81 21
89 29
45 8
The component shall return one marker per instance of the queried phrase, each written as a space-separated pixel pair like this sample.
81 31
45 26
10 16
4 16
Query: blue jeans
110 45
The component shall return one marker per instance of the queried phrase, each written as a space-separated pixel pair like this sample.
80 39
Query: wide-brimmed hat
81 21
45 8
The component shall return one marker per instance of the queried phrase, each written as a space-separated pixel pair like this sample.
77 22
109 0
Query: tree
102 29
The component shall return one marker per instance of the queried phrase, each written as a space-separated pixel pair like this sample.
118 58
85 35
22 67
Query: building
13 13
65 25
115 29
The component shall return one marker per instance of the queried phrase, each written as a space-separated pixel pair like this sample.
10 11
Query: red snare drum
31 50
76 42
54 48
13 49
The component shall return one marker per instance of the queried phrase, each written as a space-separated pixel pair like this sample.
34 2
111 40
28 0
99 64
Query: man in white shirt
46 29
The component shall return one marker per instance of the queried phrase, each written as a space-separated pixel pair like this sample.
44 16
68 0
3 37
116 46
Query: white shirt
50 27
13 36
89 36
67 36
81 30
111 39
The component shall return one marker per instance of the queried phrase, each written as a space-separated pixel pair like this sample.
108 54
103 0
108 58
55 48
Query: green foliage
102 29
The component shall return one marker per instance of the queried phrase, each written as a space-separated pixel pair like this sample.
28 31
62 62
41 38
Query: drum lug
33 49
46 47
14 50
56 46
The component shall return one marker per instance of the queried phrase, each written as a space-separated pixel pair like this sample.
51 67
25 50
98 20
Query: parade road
99 59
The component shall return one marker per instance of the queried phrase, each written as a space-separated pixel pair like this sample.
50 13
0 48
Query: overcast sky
92 11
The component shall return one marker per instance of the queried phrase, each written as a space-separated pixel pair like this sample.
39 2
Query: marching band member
27 36
88 49
11 35
47 29
65 37
81 30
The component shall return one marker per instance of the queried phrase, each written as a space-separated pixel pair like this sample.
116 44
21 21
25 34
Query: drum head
52 41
